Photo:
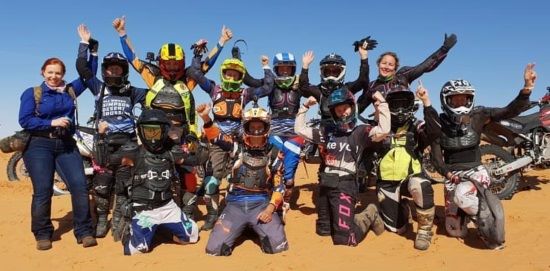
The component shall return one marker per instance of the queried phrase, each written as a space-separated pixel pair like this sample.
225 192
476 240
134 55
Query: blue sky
494 41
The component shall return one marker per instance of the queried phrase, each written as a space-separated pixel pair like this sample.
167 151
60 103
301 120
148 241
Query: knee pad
466 198
422 192
211 185
102 184
266 245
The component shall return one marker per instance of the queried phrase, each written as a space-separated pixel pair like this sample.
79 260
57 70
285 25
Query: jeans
41 158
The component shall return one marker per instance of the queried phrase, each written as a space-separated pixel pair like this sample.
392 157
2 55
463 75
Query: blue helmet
284 79
338 97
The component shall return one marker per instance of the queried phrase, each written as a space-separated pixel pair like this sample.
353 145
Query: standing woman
48 113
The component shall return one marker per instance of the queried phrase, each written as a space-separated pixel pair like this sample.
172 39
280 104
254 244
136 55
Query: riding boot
369 219
211 202
102 208
424 235
117 216
189 205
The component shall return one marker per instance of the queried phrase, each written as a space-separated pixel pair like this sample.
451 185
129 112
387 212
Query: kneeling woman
253 193
343 146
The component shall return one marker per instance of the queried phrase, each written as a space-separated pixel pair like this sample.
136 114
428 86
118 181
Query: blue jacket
52 105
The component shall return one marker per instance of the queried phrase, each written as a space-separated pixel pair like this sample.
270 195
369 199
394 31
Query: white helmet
457 87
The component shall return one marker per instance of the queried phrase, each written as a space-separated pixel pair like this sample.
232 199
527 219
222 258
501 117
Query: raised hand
265 60
203 110
529 75
449 41
422 94
119 24
226 35
307 59
84 33
311 101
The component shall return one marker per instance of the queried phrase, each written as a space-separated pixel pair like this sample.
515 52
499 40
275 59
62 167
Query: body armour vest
152 178
455 138
175 100
225 108
399 155
253 172
284 103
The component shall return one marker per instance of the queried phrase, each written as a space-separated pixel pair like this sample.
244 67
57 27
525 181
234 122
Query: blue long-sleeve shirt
53 105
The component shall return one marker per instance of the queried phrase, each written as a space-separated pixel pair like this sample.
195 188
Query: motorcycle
517 144
84 137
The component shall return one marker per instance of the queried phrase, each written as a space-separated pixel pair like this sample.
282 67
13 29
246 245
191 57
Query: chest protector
152 178
253 172
225 108
284 103
176 100
453 138
401 159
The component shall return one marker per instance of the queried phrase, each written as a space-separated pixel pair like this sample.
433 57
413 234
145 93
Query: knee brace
102 183
466 198
422 192
122 179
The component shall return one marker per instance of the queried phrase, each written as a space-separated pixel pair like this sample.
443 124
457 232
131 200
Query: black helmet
153 126
114 81
342 96
333 70
401 103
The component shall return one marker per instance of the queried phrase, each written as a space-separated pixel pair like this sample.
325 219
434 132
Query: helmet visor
285 70
396 105
331 70
255 127
151 132
460 100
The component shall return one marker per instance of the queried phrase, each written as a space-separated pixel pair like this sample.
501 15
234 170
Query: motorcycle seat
528 122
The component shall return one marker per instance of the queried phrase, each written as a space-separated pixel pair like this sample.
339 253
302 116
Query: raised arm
84 66
119 24
267 86
382 113
432 62
431 128
305 88
520 103
362 82
300 126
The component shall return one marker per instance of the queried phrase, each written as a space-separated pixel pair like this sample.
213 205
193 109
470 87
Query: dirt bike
517 144
84 137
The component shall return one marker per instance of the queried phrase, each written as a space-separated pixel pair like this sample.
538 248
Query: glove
199 47
455 178
449 41
370 43
93 45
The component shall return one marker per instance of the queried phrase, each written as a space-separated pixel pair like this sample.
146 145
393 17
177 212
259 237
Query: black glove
449 41
371 43
93 45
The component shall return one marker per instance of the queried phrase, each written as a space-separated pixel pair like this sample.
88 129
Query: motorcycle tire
504 187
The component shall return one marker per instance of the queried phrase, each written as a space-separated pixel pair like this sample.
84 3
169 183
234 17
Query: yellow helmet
232 81
256 125
171 61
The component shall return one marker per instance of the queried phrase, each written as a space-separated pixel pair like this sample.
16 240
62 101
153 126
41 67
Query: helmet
152 127
284 81
114 81
457 87
171 61
228 83
338 97
255 136
333 70
401 103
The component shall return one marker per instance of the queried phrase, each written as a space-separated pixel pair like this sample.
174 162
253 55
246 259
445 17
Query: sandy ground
527 234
